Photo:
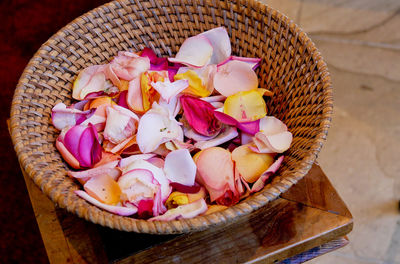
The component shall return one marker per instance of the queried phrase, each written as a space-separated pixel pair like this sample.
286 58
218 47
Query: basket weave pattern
291 67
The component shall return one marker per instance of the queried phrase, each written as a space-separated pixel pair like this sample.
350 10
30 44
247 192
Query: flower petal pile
162 138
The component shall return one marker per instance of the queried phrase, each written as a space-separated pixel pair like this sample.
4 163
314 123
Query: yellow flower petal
246 106
175 199
149 94
196 86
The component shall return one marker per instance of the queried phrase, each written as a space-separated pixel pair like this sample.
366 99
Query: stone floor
360 41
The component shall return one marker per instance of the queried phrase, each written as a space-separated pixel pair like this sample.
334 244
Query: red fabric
25 25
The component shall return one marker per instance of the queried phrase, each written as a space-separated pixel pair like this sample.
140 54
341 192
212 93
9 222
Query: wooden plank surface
309 215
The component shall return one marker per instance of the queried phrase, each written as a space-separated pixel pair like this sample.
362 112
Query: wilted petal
168 90
89 80
179 167
200 115
259 184
233 77
128 65
220 42
183 211
195 51
227 133
245 106
119 210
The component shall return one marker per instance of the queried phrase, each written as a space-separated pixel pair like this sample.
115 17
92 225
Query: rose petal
89 80
220 42
122 99
253 62
183 211
247 127
184 188
195 52
128 65
119 210
200 115
120 124
233 77
126 161
108 168
259 184
168 90
196 85
245 106
227 134
63 116
66 154
89 147
156 64
215 98
134 96
271 125
277 143
104 189
179 167
157 127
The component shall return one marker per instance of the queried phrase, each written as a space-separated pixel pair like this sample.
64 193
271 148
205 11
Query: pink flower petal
89 147
200 115
110 74
272 125
253 62
66 154
108 168
195 52
126 161
157 127
63 116
158 162
183 211
134 96
227 133
128 65
247 127
168 90
156 64
259 184
190 133
89 80
233 77
122 99
72 138
214 98
180 168
119 210
158 174
120 125
220 42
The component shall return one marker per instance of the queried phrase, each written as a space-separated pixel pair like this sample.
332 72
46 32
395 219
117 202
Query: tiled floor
360 41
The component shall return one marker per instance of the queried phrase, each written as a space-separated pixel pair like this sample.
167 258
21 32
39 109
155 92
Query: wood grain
309 215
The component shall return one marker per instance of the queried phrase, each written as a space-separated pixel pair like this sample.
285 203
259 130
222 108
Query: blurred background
359 40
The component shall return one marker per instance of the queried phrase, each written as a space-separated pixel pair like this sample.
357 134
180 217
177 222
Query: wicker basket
291 67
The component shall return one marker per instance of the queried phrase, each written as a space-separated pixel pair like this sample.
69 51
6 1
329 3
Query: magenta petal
200 115
80 105
145 208
249 127
226 119
184 188
122 99
156 63
71 139
89 147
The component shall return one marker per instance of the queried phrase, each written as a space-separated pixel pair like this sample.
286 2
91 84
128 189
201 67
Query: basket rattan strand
291 67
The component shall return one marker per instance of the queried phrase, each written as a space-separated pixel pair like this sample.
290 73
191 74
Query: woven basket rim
223 217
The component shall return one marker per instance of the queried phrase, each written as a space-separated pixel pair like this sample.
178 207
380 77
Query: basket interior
291 67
